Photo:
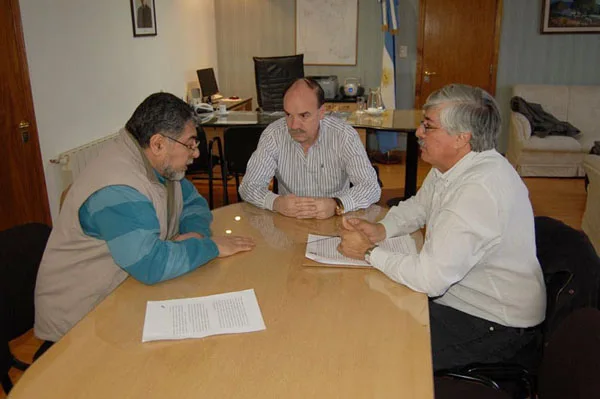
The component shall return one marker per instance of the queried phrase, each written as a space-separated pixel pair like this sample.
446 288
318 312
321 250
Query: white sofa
591 217
555 156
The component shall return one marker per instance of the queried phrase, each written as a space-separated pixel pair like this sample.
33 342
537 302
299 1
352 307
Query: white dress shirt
479 254
335 159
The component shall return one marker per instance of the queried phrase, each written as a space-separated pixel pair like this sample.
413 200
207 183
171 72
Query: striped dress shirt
336 159
127 221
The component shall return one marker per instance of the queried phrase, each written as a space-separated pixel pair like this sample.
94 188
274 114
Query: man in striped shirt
314 158
130 212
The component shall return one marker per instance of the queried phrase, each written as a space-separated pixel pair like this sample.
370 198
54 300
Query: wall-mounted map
326 31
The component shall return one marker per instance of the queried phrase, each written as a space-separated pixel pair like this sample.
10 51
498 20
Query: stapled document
229 313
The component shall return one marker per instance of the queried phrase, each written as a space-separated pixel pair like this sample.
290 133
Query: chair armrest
520 128
472 378
492 374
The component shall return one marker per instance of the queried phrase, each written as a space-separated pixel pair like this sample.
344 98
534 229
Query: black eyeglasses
191 147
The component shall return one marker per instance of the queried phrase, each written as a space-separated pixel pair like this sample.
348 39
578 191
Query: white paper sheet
323 249
229 313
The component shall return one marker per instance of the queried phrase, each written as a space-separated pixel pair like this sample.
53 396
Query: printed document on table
323 249
229 313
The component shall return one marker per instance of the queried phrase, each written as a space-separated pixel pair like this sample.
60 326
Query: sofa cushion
549 158
553 143
584 113
554 99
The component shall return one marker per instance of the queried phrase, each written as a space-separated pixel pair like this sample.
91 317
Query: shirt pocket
328 175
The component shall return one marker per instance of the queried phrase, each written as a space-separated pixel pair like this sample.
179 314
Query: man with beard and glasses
478 263
314 158
130 212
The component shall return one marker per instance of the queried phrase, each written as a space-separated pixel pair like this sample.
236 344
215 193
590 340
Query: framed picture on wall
143 17
327 31
570 16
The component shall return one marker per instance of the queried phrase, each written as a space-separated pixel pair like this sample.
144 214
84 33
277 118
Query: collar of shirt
160 178
463 164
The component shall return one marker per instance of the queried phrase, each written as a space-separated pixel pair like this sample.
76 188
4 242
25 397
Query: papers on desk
274 114
229 313
323 249
237 118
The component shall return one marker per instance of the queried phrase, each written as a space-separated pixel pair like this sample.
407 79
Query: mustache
296 131
421 143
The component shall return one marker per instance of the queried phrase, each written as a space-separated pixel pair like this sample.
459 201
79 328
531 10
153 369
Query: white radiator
75 160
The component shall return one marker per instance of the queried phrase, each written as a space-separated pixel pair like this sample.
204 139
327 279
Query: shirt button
491 328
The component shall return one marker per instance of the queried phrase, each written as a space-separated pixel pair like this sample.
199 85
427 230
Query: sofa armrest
591 164
520 128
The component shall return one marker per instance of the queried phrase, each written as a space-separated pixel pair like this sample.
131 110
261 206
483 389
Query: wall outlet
403 51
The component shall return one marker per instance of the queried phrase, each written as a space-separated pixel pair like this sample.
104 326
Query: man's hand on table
229 245
304 207
375 232
358 235
325 207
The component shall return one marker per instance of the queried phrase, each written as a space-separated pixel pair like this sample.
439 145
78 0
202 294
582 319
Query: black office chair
569 367
21 250
272 76
240 143
571 270
206 163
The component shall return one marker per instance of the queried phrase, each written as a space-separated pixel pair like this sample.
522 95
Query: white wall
88 72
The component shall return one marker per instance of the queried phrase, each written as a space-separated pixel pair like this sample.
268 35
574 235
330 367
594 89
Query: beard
173 174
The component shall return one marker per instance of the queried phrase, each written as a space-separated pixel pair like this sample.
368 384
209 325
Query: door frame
42 204
421 38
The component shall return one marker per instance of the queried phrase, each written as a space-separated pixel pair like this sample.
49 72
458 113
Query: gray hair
159 113
469 109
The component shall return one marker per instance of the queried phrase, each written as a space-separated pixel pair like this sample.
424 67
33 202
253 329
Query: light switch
403 51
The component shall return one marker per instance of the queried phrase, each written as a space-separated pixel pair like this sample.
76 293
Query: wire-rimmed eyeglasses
192 147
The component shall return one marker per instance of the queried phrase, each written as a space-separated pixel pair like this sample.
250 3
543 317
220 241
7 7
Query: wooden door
23 196
458 43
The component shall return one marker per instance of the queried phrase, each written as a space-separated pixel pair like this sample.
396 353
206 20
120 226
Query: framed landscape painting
570 16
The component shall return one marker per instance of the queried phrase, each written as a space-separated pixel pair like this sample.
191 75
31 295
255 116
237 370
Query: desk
397 121
402 121
331 333
241 104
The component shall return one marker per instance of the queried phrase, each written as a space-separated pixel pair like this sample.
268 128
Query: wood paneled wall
247 28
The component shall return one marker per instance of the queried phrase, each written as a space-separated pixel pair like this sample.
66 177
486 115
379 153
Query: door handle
23 129
427 73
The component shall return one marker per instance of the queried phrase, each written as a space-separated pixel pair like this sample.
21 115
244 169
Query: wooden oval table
331 332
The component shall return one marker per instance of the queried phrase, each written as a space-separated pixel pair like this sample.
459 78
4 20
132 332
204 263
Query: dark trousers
458 339
43 348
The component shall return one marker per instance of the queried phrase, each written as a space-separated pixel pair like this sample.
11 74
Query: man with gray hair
478 262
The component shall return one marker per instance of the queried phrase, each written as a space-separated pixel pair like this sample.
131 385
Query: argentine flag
388 141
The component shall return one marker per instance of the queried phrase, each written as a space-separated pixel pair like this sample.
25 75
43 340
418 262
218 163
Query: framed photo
575 16
143 17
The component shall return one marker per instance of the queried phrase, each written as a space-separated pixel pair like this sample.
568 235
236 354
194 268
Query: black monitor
208 82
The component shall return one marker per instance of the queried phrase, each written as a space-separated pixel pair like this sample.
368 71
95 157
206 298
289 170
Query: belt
523 330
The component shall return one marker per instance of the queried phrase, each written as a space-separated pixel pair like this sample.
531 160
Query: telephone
200 107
